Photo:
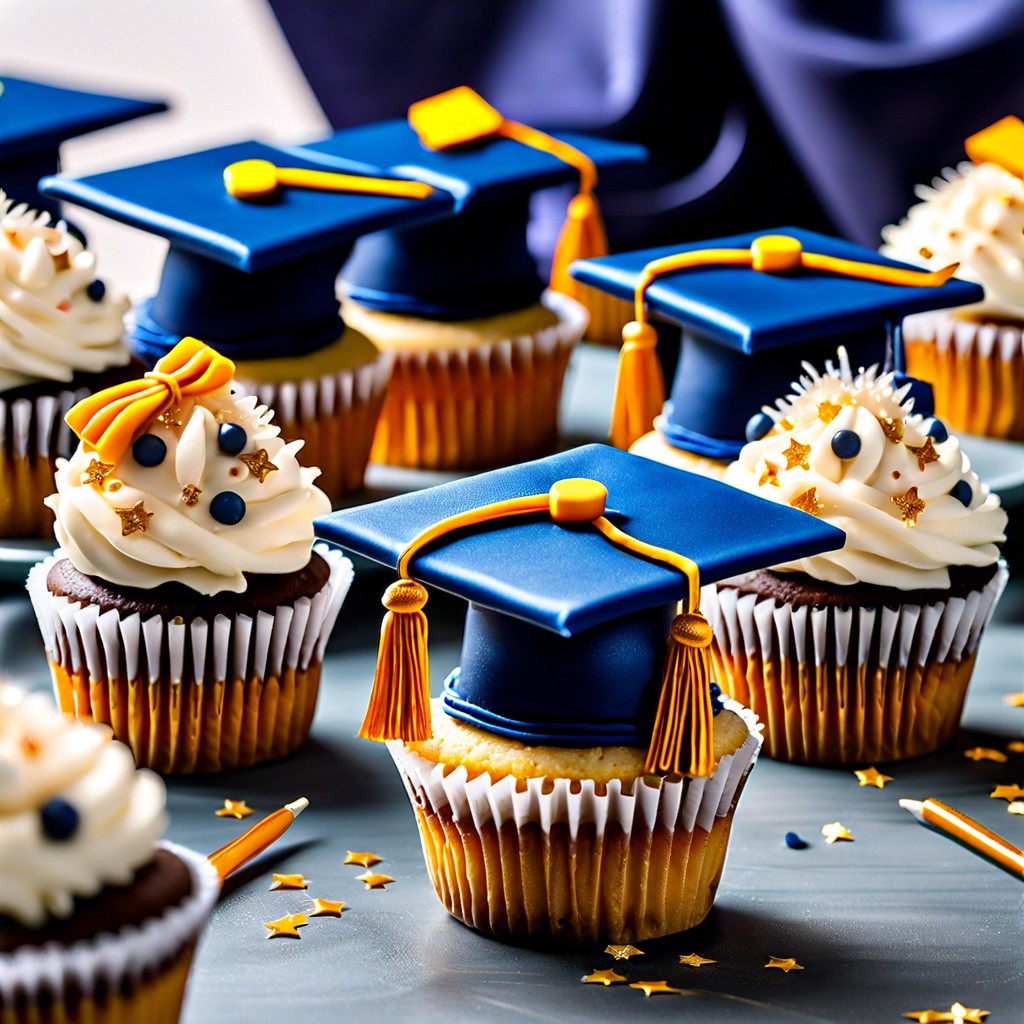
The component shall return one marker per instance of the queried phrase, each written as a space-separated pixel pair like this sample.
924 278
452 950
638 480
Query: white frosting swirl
883 546
185 543
50 328
974 216
46 756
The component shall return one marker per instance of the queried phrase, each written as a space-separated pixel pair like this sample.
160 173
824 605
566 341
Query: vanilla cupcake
186 607
862 653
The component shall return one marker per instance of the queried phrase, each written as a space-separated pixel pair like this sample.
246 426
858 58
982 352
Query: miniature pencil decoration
233 855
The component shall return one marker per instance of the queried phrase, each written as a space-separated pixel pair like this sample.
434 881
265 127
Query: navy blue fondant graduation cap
572 566
253 279
476 264
35 118
753 307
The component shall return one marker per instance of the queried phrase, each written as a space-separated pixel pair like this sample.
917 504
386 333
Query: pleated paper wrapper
335 414
568 863
842 686
976 370
126 977
193 697
481 406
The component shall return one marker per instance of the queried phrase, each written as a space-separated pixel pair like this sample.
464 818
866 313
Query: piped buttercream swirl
909 502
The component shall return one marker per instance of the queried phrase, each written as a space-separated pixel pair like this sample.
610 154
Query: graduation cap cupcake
256 243
186 606
481 346
752 307
973 214
576 781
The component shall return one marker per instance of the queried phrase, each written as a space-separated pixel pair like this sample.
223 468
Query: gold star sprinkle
363 859
925 453
327 908
770 475
1015 700
910 506
796 455
957 1014
784 963
1016 807
985 754
893 429
808 502
656 988
835 831
287 882
623 952
190 495
96 472
694 960
1013 792
1015 746
872 777
828 411
286 926
608 977
259 464
237 809
373 880
134 520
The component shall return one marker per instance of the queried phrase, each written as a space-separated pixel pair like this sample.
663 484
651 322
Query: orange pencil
234 854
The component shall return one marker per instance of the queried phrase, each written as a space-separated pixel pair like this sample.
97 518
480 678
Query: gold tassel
399 706
683 742
639 385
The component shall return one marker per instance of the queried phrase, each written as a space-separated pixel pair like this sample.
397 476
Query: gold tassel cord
639 385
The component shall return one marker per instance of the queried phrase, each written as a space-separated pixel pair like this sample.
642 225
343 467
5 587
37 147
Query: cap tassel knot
399 705
639 385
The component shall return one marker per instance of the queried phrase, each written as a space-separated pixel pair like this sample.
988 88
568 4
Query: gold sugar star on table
1015 700
893 429
608 977
956 1014
259 464
135 519
1015 746
623 952
828 411
286 926
364 859
910 506
96 472
695 960
656 988
985 754
1010 792
809 502
872 777
925 453
236 809
796 455
327 908
836 831
784 963
287 882
373 880
770 475
190 495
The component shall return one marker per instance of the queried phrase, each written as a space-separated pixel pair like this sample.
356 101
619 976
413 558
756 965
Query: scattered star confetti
925 453
835 831
828 411
1011 793
327 908
1016 807
985 754
608 977
286 926
957 1014
796 455
1015 746
770 475
872 777
190 495
363 859
809 502
96 472
373 880
135 519
623 952
170 417
259 464
893 429
910 506
784 963
1015 700
237 809
287 882
695 960
654 988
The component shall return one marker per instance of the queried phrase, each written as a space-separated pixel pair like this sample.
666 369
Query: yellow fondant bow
1001 143
109 421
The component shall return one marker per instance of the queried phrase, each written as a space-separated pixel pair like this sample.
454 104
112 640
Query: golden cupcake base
27 480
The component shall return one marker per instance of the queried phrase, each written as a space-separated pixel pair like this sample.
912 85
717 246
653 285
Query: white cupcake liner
130 955
35 427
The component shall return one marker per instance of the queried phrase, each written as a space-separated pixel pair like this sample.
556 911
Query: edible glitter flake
608 977
796 455
809 502
259 464
925 453
770 475
910 506
96 472
135 519
236 809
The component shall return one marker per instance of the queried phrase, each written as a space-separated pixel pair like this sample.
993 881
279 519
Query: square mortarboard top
476 264
746 332
253 279
35 118
566 632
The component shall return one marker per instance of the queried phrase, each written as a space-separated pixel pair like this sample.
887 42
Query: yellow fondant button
577 500
773 253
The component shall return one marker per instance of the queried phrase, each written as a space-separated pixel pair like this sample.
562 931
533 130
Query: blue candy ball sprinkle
231 438
758 425
936 430
96 290
717 700
149 450
59 820
962 492
228 508
846 444
794 842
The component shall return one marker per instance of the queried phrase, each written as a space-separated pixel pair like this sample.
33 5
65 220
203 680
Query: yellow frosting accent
1001 143
253 180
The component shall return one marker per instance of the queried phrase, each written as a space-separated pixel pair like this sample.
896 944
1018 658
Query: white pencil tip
297 806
